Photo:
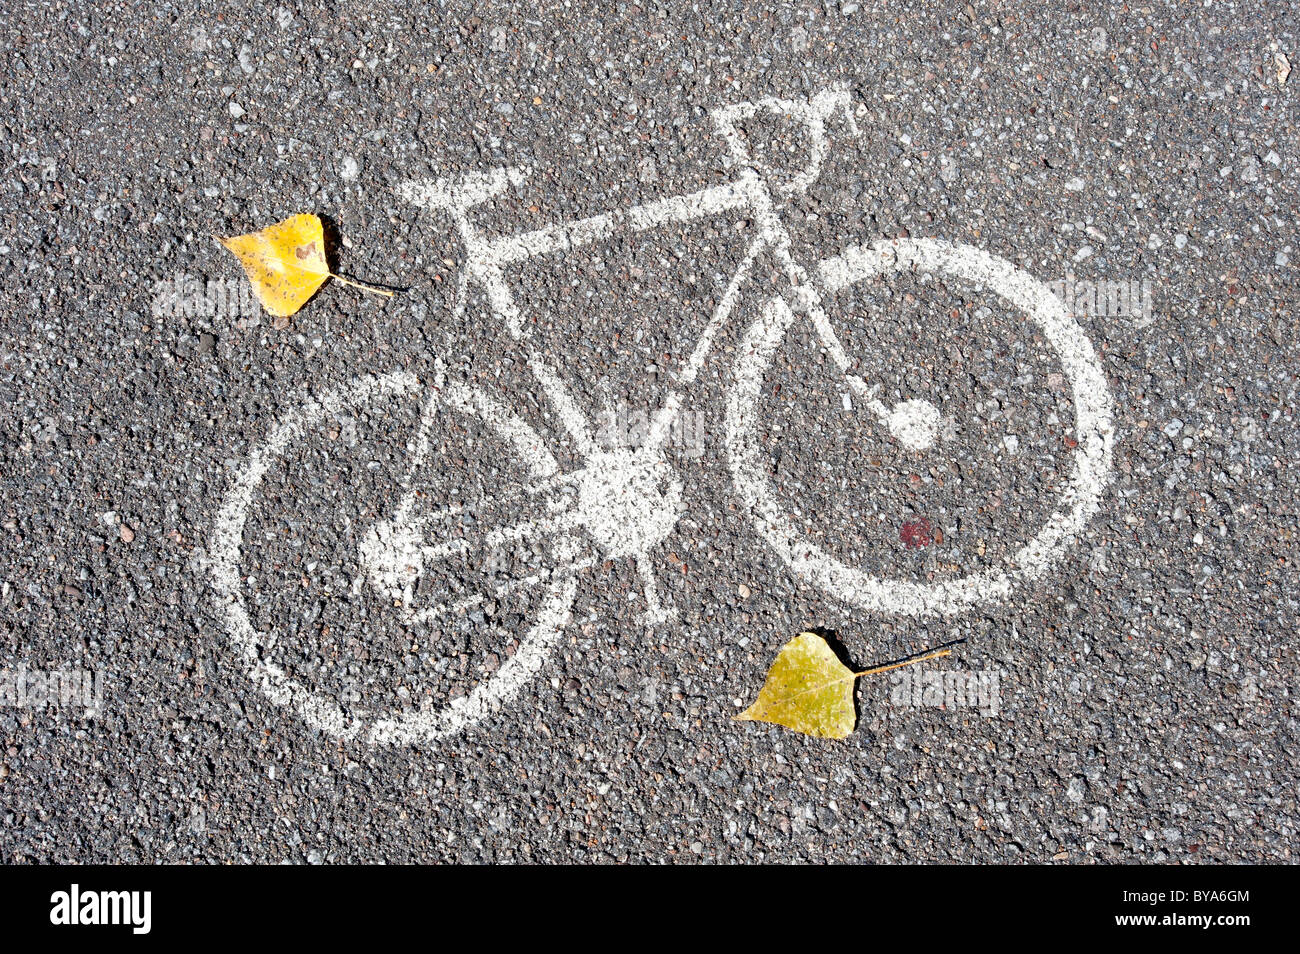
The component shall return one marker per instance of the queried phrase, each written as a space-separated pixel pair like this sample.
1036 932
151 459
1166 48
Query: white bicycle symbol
623 503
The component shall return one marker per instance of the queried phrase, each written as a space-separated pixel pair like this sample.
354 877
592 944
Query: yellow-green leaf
285 262
807 689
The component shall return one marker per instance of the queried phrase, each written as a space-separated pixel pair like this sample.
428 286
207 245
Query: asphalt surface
1147 686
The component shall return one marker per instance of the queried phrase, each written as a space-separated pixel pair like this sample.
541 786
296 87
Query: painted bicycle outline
628 501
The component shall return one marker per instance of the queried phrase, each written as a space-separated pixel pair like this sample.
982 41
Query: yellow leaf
807 689
286 263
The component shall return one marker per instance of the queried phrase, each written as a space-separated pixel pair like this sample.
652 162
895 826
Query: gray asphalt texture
1148 687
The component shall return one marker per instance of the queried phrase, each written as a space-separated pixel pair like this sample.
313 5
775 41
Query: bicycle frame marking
487 259
640 525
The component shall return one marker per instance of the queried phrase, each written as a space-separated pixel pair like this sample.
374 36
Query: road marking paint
628 502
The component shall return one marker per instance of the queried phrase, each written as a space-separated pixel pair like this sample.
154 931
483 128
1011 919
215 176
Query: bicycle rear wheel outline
1094 431
313 707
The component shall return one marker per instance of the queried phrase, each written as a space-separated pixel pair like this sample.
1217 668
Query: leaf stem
906 662
362 285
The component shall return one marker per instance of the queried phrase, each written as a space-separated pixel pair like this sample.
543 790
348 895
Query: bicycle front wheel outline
1094 431
315 708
